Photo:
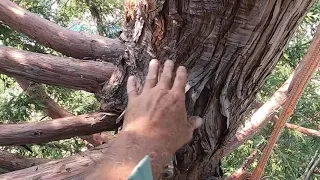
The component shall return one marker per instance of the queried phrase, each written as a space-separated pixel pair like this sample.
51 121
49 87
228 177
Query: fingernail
198 122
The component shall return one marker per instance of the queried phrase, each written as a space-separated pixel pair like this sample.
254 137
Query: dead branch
67 72
70 43
62 128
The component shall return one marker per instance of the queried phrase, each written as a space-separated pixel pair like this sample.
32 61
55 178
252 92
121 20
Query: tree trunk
229 48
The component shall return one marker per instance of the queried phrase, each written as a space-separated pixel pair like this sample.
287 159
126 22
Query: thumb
195 121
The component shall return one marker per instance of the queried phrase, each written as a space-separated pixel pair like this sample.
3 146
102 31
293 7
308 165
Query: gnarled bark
14 162
63 128
70 43
53 70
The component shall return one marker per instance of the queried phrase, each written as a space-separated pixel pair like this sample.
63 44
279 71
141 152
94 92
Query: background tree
228 48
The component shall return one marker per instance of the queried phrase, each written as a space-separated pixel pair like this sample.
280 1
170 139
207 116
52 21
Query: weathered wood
70 43
73 167
62 128
229 48
14 162
53 70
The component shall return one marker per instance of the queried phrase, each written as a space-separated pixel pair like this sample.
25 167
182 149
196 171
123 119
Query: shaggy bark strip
53 70
70 43
63 128
14 162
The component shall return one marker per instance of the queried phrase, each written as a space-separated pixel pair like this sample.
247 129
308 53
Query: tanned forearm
118 163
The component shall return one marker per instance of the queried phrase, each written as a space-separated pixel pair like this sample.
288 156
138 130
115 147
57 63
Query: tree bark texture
53 70
62 128
229 48
70 43
13 162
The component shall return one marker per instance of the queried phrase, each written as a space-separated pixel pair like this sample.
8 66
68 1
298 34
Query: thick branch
73 167
63 128
67 72
67 42
13 162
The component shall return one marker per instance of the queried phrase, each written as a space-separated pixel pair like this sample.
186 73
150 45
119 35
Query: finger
152 77
195 122
166 76
132 88
181 79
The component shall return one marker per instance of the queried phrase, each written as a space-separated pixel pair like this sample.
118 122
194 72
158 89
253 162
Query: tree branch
95 13
310 132
70 43
260 118
67 72
62 128
53 109
73 167
242 173
14 162
315 161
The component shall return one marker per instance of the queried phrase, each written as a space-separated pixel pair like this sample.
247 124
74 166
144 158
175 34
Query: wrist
147 145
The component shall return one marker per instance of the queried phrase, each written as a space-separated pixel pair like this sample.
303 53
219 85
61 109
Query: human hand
155 124
159 112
